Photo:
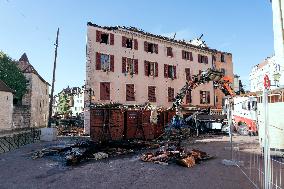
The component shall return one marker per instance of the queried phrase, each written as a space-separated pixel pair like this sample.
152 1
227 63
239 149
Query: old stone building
37 96
129 66
6 102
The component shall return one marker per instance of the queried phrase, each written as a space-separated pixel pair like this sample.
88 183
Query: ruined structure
35 102
129 66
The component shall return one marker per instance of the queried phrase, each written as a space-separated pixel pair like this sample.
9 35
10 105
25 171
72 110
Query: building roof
140 31
25 66
4 87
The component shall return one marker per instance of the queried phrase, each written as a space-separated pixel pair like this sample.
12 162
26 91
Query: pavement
19 170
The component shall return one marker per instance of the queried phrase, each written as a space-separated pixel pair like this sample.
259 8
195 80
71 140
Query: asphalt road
18 170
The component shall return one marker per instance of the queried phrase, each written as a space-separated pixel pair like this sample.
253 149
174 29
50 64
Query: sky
241 27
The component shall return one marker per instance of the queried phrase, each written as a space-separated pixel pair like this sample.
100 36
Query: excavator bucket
213 75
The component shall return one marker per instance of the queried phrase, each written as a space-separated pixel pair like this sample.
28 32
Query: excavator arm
219 79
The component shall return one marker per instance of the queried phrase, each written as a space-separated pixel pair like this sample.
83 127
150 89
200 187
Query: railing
16 140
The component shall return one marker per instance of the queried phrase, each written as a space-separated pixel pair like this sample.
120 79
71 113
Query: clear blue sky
242 27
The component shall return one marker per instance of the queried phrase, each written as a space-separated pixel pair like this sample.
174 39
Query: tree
63 104
12 76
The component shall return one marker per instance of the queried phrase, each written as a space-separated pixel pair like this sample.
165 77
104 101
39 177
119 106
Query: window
169 71
222 58
202 59
151 47
187 74
105 90
188 98
171 93
104 62
129 43
129 65
204 97
223 71
106 38
187 55
151 68
152 93
170 51
130 96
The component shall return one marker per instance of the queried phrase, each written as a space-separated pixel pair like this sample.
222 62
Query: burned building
129 66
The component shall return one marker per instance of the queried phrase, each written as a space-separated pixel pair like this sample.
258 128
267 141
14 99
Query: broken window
151 68
170 71
187 55
222 58
202 59
170 51
129 43
105 90
171 93
151 47
130 92
104 38
104 62
204 97
152 93
129 65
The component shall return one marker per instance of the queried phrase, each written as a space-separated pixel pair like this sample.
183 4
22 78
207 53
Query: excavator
219 81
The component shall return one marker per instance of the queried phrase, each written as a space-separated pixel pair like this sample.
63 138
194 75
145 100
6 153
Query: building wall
39 101
118 80
227 65
21 116
6 110
267 67
78 104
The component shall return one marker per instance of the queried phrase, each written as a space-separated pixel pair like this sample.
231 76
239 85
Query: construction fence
18 139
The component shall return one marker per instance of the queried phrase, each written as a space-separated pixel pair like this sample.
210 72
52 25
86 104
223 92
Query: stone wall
39 102
6 109
21 116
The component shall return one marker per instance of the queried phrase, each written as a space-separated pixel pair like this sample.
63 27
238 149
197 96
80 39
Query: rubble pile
70 131
73 154
176 155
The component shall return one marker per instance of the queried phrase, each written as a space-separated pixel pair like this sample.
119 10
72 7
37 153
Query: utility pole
53 80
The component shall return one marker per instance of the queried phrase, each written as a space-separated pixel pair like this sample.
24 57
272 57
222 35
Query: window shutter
135 44
191 57
201 97
146 67
151 93
166 74
123 41
188 98
182 54
98 36
145 46
112 63
111 39
199 58
130 92
175 72
136 66
156 69
156 48
206 59
98 61
208 97
170 94
105 91
123 64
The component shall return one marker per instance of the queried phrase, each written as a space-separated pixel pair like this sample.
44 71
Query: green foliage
63 104
12 76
